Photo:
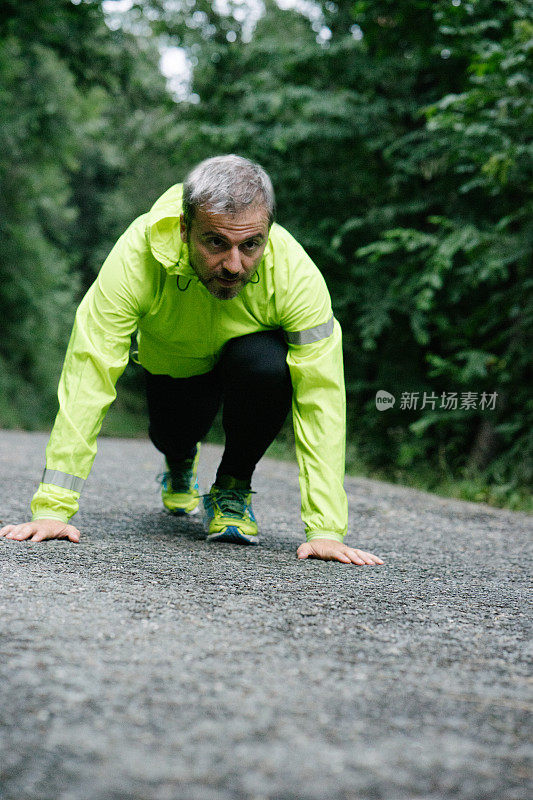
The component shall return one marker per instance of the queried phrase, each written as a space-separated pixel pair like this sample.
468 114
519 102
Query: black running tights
251 380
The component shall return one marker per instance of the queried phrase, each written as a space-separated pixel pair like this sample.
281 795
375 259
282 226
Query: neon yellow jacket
180 332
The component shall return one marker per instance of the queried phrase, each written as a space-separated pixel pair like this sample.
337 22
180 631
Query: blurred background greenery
399 139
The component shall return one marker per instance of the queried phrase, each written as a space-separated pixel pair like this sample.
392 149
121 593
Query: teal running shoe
228 515
179 486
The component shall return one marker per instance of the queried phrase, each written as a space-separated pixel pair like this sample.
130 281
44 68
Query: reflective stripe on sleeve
63 480
311 334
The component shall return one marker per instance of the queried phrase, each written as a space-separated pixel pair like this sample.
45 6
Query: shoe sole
233 535
181 512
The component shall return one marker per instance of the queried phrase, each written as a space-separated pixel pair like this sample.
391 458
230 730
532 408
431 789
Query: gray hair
227 185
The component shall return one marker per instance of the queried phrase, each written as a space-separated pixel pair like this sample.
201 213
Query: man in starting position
229 310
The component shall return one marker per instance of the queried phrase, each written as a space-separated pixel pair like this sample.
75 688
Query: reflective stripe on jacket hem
63 480
337 537
311 334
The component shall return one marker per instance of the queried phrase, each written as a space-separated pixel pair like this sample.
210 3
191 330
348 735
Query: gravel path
146 664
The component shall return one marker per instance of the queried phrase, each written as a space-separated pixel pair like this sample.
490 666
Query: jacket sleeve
319 399
96 356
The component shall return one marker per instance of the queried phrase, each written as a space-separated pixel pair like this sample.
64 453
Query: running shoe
229 516
179 486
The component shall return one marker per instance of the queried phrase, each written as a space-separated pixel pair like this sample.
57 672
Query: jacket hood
164 232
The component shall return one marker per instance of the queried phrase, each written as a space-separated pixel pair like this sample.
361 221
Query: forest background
398 137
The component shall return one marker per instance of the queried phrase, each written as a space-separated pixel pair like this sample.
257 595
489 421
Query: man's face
225 249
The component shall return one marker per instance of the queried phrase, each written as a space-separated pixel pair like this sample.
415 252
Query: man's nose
232 263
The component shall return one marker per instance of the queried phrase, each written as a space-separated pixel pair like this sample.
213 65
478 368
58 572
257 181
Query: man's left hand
331 550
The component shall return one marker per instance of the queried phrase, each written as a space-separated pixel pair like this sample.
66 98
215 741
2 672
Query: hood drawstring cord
178 284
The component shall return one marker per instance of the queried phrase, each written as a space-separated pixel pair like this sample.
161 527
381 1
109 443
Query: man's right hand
40 530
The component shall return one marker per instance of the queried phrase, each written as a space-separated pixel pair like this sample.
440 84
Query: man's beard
224 292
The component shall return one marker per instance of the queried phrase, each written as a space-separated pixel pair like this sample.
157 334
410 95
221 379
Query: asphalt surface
144 663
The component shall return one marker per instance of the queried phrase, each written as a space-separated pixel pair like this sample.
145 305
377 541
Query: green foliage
460 280
37 287
79 104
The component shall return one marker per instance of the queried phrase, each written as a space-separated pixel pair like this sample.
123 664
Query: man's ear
183 229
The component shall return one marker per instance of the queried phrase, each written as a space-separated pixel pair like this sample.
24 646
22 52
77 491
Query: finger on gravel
369 558
353 557
40 536
21 532
65 533
343 558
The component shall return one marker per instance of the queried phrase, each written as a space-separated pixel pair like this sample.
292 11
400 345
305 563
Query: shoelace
231 502
181 485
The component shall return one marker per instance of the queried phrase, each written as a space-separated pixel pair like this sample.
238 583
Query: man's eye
215 241
251 244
